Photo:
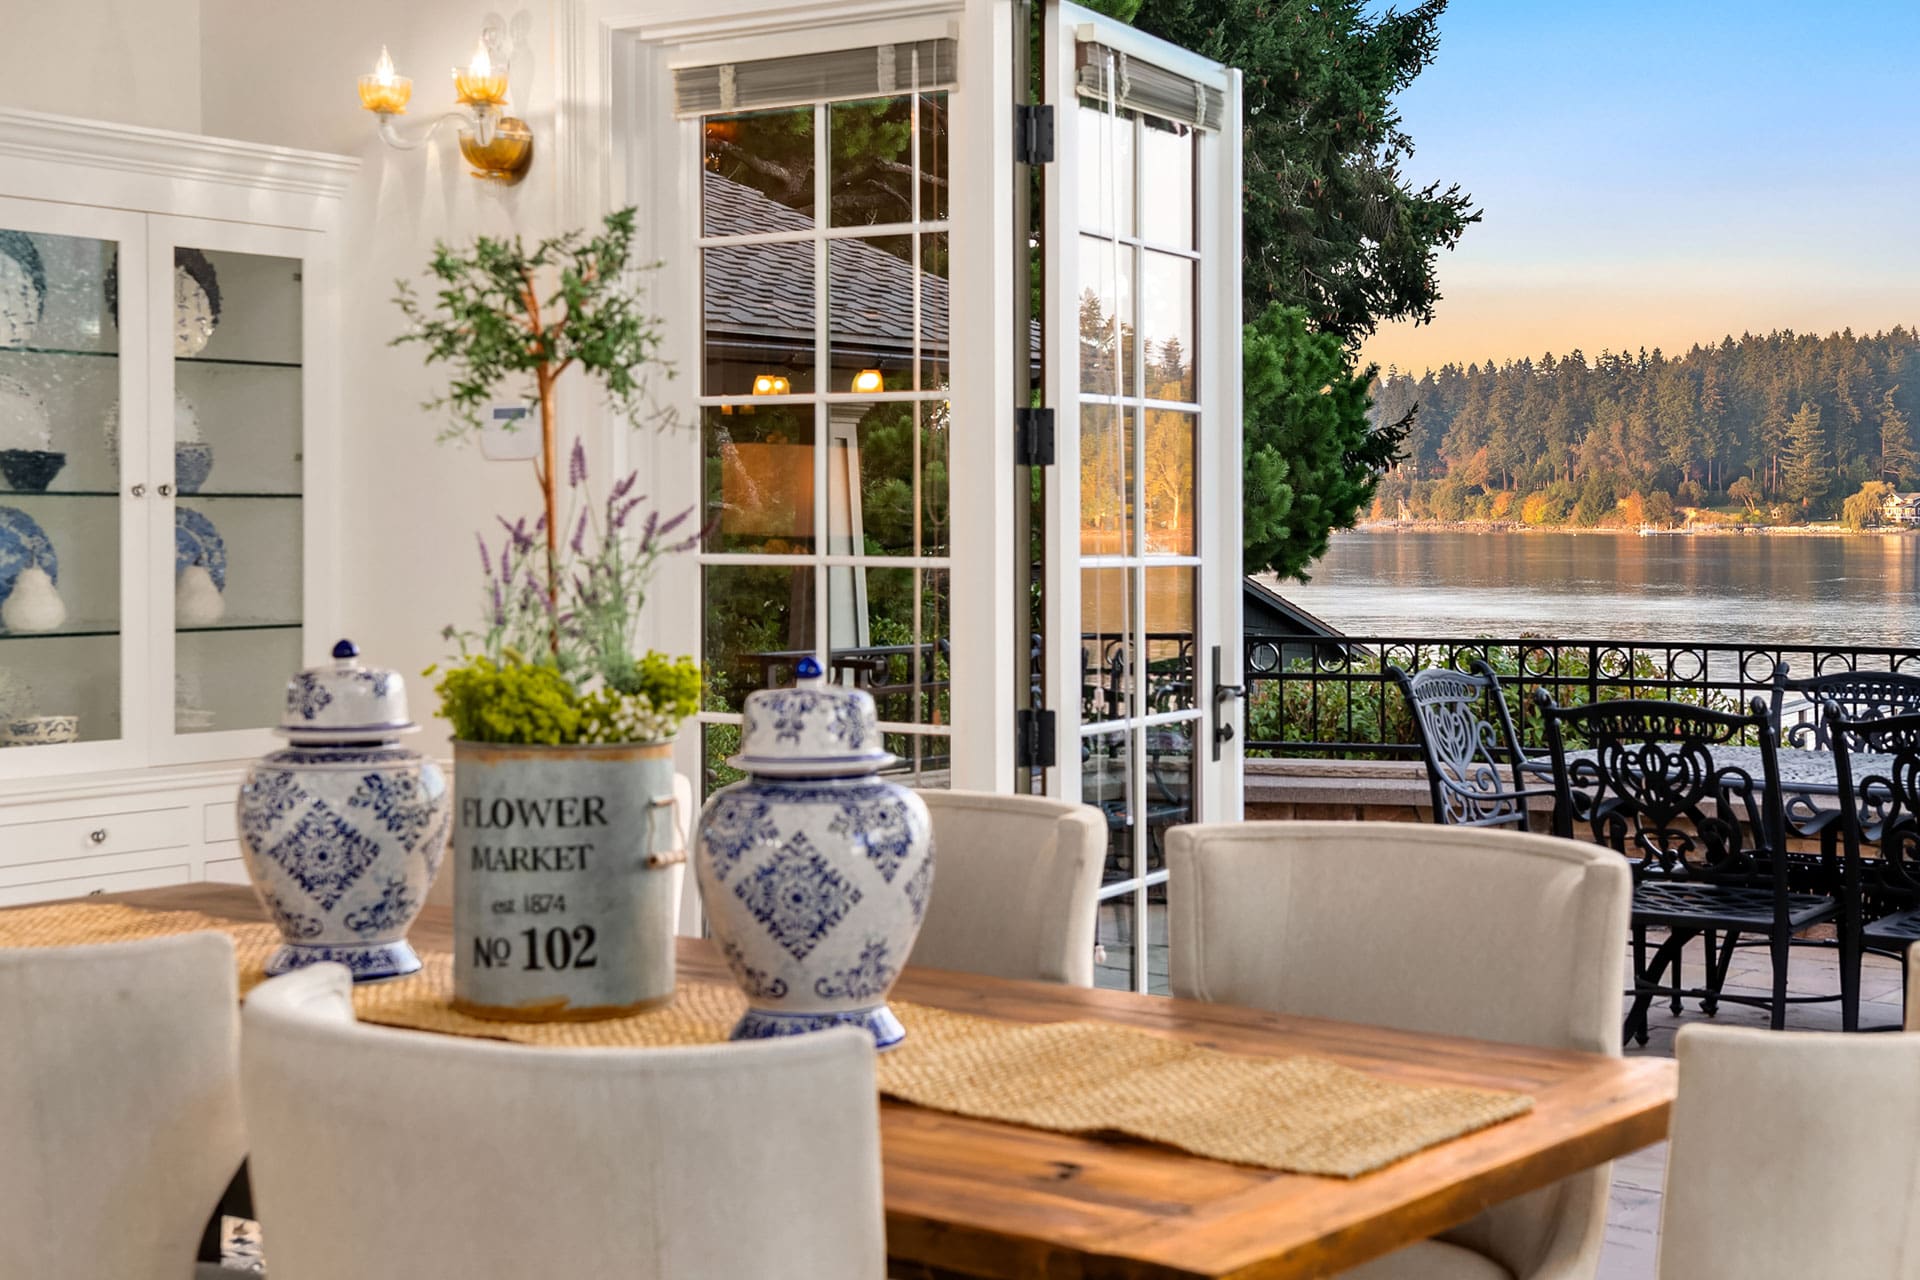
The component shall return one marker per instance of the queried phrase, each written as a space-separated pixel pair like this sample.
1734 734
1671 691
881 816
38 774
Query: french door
1142 513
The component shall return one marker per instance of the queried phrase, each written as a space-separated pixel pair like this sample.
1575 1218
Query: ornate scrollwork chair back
1858 696
1649 785
1705 837
1473 756
1884 811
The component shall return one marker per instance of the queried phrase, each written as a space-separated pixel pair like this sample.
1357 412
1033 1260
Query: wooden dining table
978 1198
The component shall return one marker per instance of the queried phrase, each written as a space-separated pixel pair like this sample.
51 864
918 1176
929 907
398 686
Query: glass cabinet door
230 450
64 600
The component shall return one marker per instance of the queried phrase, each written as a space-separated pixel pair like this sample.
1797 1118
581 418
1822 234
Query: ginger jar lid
813 730
343 701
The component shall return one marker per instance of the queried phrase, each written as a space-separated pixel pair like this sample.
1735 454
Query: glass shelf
83 629
115 355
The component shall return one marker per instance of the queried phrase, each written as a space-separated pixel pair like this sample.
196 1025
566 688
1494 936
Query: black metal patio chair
1879 898
1707 841
1857 696
1472 753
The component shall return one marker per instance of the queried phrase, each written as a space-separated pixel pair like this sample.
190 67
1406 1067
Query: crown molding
51 139
687 23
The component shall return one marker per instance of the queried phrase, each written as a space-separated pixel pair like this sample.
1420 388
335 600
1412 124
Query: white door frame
653 161
1217 372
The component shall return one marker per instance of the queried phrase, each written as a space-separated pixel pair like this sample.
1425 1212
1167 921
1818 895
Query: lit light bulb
385 91
480 84
763 385
868 381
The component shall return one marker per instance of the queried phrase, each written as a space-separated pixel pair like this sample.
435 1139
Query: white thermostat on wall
506 435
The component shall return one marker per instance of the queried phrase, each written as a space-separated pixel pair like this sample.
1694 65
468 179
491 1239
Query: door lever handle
1223 695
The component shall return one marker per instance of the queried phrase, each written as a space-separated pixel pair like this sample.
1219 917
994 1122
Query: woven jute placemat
1299 1115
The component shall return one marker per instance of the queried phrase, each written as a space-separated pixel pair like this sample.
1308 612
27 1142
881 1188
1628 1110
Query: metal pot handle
671 857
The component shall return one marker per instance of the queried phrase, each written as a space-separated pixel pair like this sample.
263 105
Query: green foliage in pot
555 662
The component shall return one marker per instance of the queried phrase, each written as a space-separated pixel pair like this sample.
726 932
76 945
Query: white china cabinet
167 489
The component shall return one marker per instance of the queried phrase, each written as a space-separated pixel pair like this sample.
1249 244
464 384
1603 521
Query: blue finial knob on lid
806 669
346 649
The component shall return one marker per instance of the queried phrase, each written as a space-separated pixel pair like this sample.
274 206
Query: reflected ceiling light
770 384
868 381
497 145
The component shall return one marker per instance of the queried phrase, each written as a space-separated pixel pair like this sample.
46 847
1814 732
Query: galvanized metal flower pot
566 882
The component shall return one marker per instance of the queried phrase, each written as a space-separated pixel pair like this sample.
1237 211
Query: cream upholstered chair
383 1153
1791 1154
120 1116
1496 935
1015 880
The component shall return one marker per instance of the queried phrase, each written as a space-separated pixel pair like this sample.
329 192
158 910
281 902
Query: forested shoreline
1772 429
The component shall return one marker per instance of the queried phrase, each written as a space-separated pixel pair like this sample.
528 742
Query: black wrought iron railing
1334 699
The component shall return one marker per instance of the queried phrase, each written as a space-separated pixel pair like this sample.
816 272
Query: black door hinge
1033 739
1033 133
1033 437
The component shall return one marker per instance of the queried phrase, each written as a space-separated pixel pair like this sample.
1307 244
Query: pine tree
1806 470
1898 462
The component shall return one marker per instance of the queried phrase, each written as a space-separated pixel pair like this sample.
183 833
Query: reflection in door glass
1166 325
1167 184
759 478
760 167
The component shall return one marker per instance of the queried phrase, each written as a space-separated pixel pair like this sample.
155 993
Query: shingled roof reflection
764 292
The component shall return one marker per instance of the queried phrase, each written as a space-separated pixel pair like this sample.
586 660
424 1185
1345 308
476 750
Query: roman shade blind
839 74
1134 85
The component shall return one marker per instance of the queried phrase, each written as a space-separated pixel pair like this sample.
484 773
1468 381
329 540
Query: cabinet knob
98 835
166 491
138 491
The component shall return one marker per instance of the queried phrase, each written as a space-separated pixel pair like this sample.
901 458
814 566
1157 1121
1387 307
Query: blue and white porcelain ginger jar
344 830
814 872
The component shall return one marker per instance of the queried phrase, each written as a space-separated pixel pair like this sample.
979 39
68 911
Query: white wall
128 61
283 73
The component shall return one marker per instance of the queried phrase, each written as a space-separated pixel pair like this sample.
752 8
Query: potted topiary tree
568 865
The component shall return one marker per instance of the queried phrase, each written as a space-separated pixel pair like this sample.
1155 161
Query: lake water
1786 590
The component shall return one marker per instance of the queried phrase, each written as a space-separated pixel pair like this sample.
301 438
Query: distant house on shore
1902 509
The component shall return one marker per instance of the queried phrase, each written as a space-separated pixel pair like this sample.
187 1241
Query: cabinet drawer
96 834
226 871
220 822
14 895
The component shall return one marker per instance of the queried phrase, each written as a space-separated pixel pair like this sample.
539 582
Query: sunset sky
1661 172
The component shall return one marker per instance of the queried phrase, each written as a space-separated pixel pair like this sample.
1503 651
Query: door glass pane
871 479
1166 184
934 660
1168 482
1169 638
759 319
237 458
1171 760
59 492
759 624
1113 933
1158 982
870 292
1166 325
1106 480
759 478
759 172
1106 171
934 417
933 157
1107 613
871 148
934 375
1106 317
1106 783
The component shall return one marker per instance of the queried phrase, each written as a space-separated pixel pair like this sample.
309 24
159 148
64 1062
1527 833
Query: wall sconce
868 381
770 384
497 145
